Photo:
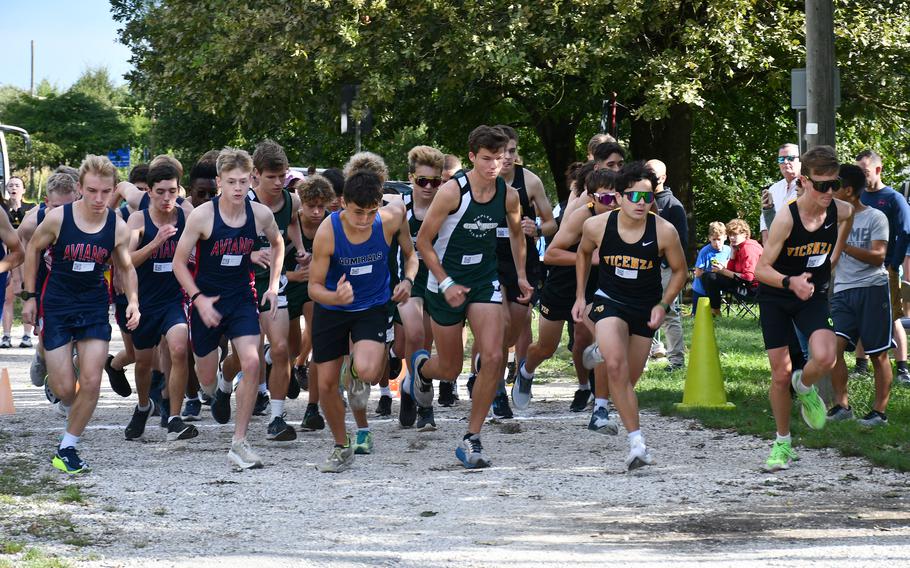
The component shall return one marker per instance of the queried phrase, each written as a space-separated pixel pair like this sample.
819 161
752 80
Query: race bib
502 232
79 266
359 270
231 260
816 261
626 273
163 267
469 259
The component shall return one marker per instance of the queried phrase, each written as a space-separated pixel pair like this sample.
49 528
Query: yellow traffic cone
704 382
6 394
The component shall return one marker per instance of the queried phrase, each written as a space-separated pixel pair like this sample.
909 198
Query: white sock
636 438
277 408
225 385
263 389
524 373
68 441
784 438
172 418
800 387
385 391
600 403
364 429
144 408
584 387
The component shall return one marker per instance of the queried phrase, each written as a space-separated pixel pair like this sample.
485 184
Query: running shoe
192 407
165 411
67 460
447 395
384 408
48 393
837 413
425 420
455 390
26 342
470 453
363 444
293 387
394 367
511 369
639 456
117 378
37 371
471 378
177 429
902 378
407 409
280 431
591 356
205 399
521 389
243 456
339 460
860 369
811 405
136 427
156 391
312 420
781 456
417 386
302 374
61 410
6 342
263 404
358 391
580 400
501 406
874 418
221 406
602 423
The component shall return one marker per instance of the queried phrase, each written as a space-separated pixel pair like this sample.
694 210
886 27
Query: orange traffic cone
704 381
6 394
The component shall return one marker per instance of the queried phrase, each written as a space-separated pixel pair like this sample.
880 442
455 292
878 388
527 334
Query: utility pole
820 65
31 89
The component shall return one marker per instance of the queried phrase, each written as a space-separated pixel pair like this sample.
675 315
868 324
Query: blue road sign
120 157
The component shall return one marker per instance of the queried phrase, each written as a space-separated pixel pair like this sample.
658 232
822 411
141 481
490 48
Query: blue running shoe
602 423
221 406
67 460
192 407
470 453
419 389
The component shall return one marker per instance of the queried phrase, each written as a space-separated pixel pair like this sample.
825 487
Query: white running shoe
243 456
639 456
591 357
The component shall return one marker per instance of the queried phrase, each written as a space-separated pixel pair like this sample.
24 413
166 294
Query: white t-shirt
782 193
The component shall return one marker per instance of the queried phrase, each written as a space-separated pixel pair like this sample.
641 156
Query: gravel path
557 494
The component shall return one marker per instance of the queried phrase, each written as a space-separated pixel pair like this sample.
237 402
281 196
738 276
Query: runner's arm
538 197
121 259
671 249
323 249
844 225
411 264
295 234
9 237
586 246
265 224
764 271
569 233
129 193
44 236
136 226
198 226
517 240
446 200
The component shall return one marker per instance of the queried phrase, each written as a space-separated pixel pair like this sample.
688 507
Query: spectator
704 263
740 270
451 165
784 191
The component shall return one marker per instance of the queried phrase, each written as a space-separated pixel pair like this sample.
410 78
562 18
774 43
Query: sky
70 37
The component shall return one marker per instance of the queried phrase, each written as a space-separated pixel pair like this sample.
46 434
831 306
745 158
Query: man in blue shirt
896 209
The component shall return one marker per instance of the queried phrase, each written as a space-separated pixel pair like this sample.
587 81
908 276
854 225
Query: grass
747 377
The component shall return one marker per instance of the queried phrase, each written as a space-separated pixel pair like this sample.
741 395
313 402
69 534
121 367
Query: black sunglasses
823 186
433 182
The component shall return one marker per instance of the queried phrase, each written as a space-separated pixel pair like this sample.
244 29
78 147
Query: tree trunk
558 138
670 141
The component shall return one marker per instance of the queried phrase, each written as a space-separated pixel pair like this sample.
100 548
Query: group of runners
211 288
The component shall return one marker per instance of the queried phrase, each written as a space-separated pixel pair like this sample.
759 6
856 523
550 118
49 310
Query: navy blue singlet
157 284
223 265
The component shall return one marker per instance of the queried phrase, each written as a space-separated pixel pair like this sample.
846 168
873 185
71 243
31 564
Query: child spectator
715 250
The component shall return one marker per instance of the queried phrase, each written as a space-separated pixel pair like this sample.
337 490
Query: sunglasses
605 198
638 196
433 182
823 186
782 159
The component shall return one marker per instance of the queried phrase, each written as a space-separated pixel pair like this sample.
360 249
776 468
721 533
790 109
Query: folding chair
742 300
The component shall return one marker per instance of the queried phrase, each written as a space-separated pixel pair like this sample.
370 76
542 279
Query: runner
84 236
222 294
794 272
456 243
155 233
628 306
534 203
349 281
60 190
16 209
557 299
315 194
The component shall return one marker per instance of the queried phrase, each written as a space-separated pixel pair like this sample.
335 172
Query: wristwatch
786 282
25 295
665 306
